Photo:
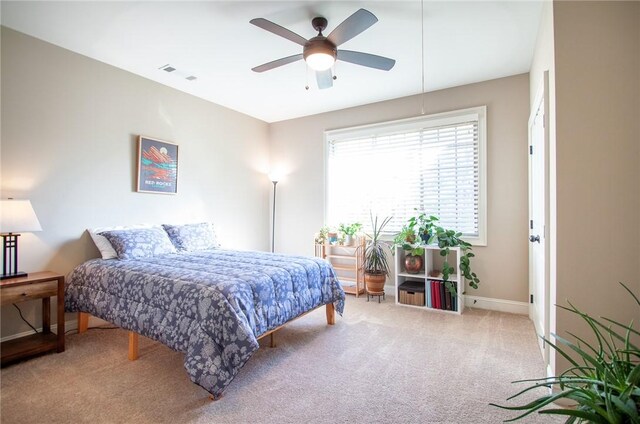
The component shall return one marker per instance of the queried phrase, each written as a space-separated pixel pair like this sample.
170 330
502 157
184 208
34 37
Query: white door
538 277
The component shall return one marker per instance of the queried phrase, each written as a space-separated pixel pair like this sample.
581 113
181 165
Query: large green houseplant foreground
604 378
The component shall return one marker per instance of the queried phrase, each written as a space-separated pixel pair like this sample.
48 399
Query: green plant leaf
534 405
577 414
606 386
627 407
630 292
634 376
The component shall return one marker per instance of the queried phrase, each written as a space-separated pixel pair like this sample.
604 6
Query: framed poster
157 166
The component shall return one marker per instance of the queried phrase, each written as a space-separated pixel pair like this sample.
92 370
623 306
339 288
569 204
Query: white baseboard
68 325
501 305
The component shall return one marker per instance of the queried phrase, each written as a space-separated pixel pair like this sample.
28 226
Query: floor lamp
274 180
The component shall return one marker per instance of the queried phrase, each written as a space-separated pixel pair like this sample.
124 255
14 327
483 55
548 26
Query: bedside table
36 285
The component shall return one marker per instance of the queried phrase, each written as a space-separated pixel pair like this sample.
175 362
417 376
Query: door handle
534 239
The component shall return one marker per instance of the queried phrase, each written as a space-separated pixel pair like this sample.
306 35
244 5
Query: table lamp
16 216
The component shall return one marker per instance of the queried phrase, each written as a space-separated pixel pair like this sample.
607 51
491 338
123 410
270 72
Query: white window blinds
430 164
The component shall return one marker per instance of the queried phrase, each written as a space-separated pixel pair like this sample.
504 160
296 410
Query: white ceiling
464 42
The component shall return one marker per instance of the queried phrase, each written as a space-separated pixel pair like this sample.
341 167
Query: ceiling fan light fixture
320 61
320 53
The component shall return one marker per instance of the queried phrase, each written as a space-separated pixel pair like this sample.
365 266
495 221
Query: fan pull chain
306 87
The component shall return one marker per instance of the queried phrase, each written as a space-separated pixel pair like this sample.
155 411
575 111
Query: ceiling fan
321 52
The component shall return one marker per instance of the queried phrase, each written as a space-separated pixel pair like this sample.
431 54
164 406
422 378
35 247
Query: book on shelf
447 298
454 296
434 300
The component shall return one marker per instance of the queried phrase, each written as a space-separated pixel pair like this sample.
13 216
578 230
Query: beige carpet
379 363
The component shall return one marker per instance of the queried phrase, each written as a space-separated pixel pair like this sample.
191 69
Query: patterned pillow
192 237
103 245
139 243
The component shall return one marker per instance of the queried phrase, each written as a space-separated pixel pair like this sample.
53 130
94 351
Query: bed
212 305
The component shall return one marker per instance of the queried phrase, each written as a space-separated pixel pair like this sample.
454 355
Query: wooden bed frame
83 325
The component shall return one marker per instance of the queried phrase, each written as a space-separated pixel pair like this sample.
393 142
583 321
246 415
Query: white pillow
104 246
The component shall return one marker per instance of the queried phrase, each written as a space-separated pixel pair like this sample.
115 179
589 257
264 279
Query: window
433 163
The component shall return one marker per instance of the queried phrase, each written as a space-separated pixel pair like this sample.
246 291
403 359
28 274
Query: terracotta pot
413 264
375 282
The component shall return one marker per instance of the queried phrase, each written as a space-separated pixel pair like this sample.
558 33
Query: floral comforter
211 305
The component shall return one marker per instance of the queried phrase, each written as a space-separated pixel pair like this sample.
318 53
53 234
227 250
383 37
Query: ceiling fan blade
366 59
278 30
276 63
352 26
324 79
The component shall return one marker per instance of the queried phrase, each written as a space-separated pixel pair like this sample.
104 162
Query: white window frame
438 119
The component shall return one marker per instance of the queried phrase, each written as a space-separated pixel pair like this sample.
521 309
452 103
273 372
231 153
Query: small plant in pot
423 226
407 235
414 252
349 231
413 261
323 235
376 265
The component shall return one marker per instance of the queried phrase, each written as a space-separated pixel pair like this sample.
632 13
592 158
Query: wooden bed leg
214 398
272 340
83 322
331 314
133 346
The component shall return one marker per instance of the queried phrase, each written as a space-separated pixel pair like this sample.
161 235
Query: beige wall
69 127
597 75
297 147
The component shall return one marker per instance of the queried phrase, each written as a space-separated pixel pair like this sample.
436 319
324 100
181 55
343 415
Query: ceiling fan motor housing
319 24
319 44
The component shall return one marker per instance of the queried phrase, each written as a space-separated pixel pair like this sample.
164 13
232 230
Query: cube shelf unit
431 261
348 262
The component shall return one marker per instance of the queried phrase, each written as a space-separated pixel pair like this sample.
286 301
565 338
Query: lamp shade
18 216
274 176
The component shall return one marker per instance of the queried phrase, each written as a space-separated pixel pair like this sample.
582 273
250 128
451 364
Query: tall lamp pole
274 177
273 219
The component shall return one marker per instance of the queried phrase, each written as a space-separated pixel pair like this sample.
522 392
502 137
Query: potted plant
376 265
413 255
423 225
322 236
447 239
406 235
349 232
604 379
413 250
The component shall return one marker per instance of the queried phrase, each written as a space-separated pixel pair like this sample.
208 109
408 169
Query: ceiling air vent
167 68
176 72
